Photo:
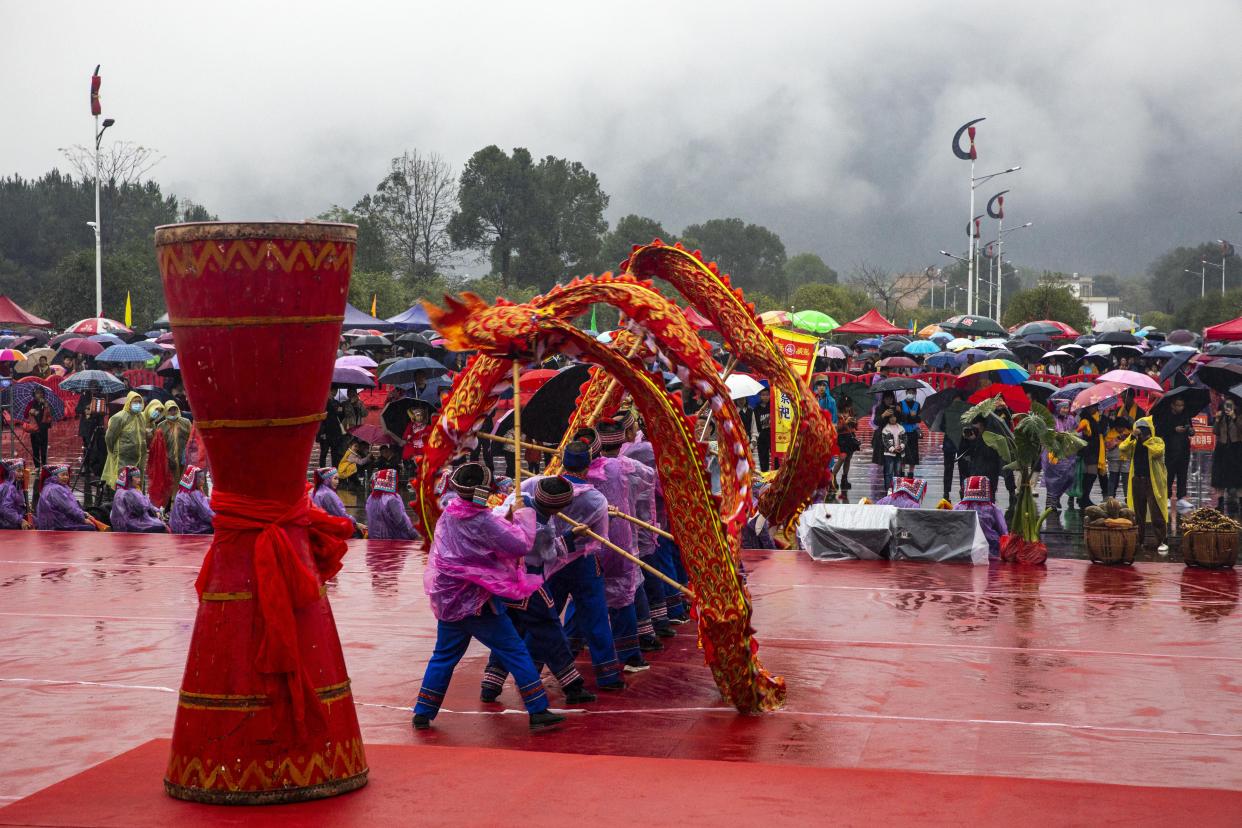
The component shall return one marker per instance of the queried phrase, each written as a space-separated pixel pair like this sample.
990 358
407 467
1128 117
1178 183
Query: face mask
156 417
173 416
136 408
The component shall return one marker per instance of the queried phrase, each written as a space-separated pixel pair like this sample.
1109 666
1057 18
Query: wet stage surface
1076 672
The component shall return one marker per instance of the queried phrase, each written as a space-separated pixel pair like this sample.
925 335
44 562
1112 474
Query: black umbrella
895 384
407 370
1028 351
1174 365
857 393
1085 341
1127 350
1039 390
1041 340
1070 391
1181 336
1196 400
967 325
396 414
1004 354
1230 350
546 416
371 342
892 347
1117 338
1221 375
935 405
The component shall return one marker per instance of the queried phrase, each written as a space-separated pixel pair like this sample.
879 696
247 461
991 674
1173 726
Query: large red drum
265 711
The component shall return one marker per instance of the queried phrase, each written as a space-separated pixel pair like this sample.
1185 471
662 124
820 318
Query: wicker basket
1110 544
1210 550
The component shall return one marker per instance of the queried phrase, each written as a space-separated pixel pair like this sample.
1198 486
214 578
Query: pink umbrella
356 361
83 346
1098 394
1132 379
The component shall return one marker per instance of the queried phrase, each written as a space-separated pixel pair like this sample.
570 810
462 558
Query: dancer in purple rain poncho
476 557
58 510
978 499
386 517
12 497
325 497
652 548
131 508
907 493
191 511
535 618
623 482
1058 472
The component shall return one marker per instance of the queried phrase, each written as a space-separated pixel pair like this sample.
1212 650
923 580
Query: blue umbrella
82 381
1068 392
940 336
123 353
109 339
150 347
946 360
402 371
23 393
922 346
872 342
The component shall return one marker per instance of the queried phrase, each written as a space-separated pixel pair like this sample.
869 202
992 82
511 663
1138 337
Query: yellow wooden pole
589 533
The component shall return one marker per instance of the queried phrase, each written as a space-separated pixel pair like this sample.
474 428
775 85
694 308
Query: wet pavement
1073 671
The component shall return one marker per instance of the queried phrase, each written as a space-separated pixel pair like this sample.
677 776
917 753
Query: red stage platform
1070 674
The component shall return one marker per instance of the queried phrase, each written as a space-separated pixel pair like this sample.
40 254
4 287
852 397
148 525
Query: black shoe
636 664
576 693
421 722
678 621
545 720
489 696
615 687
666 632
649 644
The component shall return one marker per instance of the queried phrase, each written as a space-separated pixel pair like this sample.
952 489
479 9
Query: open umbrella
991 343
1069 392
1181 336
123 353
1056 356
871 342
1221 375
357 361
772 319
11 355
927 331
403 372
1195 398
959 344
898 362
356 332
32 359
1100 349
1000 370
1102 393
395 415
369 341
1132 379
945 361
1046 327
1173 367
150 346
97 325
832 352
1026 351
940 336
106 339
23 393
1013 396
1004 354
347 377
546 416
814 321
1117 338
970 325
922 346
1169 351
1230 350
891 348
82 381
897 384
1039 390
374 435
742 386
858 393
1116 323
943 412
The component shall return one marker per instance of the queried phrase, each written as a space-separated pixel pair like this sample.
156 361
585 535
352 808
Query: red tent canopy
12 314
1225 330
870 323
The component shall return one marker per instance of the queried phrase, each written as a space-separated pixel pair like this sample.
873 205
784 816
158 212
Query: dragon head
468 323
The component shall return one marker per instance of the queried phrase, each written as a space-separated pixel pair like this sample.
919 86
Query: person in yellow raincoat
1147 490
125 439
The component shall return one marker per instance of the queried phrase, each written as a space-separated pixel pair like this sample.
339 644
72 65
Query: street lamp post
1202 274
974 267
99 131
999 241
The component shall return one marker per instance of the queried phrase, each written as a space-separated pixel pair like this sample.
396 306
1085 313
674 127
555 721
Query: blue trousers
583 580
494 629
536 621
668 561
653 589
625 631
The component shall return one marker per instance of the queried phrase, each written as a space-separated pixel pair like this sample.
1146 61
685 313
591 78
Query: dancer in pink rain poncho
191 511
386 517
978 499
132 510
907 493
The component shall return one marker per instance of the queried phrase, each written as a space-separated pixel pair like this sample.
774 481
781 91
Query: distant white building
1098 308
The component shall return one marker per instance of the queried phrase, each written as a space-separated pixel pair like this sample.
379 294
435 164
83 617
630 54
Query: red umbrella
165 338
532 381
374 435
98 325
1013 395
84 346
898 362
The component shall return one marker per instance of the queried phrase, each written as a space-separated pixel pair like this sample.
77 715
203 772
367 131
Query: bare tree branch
120 162
887 289
414 203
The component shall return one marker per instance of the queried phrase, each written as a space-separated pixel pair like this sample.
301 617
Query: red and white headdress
385 480
190 478
916 487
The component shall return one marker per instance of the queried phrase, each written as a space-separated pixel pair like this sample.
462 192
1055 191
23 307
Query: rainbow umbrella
1002 370
10 355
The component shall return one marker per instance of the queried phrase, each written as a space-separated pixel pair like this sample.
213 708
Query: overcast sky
830 123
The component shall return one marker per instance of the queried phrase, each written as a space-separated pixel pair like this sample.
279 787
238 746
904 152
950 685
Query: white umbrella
1102 349
959 344
1116 323
741 385
832 352
991 343
356 361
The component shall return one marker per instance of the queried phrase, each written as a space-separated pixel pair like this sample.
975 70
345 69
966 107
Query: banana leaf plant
1021 449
